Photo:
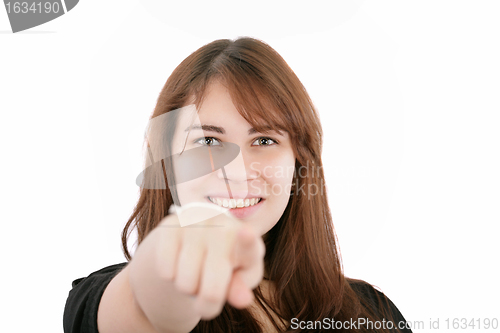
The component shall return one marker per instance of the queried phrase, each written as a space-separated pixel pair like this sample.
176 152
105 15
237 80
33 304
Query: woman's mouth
235 203
239 208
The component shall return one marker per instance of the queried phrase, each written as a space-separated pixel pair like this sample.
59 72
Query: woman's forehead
223 122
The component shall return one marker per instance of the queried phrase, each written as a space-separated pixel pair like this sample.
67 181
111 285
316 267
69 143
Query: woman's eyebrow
208 128
218 129
265 130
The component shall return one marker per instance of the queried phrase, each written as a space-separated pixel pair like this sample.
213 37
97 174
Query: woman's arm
181 275
170 310
120 312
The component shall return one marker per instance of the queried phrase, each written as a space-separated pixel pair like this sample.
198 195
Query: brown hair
301 258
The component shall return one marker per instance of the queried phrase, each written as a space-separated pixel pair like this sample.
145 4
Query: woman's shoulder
80 311
370 294
364 289
101 273
379 303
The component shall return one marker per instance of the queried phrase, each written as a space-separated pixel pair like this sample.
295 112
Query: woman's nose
237 171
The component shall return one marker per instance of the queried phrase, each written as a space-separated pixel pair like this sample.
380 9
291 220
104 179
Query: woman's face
258 180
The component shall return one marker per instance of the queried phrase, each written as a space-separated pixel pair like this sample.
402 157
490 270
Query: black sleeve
80 312
379 300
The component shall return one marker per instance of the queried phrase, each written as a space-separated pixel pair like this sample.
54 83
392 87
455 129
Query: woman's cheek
192 191
279 179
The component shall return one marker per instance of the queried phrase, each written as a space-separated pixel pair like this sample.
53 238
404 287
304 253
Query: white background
408 94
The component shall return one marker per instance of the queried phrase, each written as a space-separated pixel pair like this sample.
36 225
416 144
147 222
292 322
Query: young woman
234 229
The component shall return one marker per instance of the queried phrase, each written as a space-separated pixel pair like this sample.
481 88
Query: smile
234 203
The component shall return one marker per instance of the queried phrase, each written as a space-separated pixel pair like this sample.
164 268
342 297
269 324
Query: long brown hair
302 257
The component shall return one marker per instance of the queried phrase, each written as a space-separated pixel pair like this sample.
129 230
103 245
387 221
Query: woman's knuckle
211 296
185 285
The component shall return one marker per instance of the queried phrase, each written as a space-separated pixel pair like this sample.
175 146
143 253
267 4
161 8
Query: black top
80 312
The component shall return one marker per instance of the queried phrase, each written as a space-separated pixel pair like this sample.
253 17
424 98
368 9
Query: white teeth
233 203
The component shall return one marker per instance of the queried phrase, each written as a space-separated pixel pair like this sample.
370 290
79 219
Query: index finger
248 256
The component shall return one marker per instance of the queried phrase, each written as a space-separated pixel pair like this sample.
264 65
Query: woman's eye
208 141
264 142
